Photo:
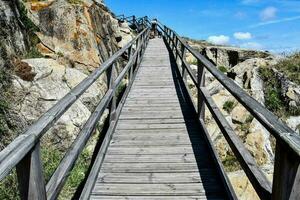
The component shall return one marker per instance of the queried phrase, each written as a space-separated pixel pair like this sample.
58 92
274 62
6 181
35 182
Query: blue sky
272 25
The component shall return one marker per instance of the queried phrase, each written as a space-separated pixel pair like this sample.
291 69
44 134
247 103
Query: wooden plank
159 149
184 177
156 189
181 197
183 158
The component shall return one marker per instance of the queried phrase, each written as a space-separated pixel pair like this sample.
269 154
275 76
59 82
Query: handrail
24 151
286 162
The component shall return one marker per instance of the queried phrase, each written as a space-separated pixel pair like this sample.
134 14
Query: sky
272 25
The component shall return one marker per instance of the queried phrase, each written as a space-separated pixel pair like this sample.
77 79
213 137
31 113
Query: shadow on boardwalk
204 159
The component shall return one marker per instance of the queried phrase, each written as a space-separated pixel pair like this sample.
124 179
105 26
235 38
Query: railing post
137 56
131 68
176 50
30 176
173 41
169 38
183 55
110 73
201 83
134 20
286 181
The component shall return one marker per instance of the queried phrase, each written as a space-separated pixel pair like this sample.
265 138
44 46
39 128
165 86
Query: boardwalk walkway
157 150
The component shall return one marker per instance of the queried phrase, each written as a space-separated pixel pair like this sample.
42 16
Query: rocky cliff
52 46
46 48
256 73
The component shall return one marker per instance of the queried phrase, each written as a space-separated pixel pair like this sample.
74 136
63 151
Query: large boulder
52 82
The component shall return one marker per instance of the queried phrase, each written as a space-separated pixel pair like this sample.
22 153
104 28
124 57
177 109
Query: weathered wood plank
183 177
156 189
181 197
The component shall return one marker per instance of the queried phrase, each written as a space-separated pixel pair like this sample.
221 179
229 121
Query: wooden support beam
286 181
30 176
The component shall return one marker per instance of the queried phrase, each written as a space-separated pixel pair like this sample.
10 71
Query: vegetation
290 66
29 25
9 187
193 62
231 163
274 100
228 106
60 54
223 69
51 158
33 53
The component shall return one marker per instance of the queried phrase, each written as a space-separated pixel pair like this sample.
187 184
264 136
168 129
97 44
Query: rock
239 114
294 123
13 38
258 143
52 82
224 55
242 186
191 59
257 86
244 71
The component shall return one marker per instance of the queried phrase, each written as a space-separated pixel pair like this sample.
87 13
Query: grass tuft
228 106
223 69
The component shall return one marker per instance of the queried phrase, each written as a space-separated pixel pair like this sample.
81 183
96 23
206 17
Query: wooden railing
286 180
24 152
139 23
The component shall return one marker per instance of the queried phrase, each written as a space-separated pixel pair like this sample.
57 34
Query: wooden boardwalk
158 150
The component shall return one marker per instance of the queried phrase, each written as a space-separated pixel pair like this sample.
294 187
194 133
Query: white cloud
276 21
218 39
252 45
268 13
242 36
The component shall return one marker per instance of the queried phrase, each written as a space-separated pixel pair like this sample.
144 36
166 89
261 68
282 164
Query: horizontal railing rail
287 157
24 152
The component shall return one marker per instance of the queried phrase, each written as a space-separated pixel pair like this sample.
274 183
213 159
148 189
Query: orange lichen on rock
98 39
39 5
43 49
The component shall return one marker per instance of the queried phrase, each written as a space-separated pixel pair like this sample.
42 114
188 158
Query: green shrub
231 164
228 106
60 54
273 101
223 69
273 98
